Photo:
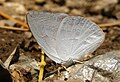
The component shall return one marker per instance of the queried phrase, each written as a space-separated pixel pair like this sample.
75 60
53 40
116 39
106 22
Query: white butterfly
64 38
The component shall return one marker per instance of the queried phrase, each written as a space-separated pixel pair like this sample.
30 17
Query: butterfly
64 38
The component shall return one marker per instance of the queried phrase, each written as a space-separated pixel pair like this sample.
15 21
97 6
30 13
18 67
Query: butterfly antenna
42 65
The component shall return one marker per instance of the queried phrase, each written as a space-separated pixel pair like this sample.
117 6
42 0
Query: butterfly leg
64 67
66 74
42 65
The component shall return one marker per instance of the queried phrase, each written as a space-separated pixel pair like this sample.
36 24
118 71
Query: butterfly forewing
44 27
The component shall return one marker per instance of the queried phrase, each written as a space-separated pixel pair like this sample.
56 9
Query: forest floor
99 11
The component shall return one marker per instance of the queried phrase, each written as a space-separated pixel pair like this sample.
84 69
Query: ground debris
101 68
26 67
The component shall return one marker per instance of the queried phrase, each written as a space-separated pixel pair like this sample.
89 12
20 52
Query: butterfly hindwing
76 37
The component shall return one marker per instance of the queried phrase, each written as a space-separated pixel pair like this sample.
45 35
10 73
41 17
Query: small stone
76 12
3 39
28 34
17 7
4 32
61 9
12 40
7 22
104 28
77 3
103 4
96 18
54 8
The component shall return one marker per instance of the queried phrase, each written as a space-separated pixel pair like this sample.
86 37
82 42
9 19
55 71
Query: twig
27 28
17 21
109 24
7 62
2 64
14 28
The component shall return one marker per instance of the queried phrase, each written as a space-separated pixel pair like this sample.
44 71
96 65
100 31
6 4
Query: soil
107 13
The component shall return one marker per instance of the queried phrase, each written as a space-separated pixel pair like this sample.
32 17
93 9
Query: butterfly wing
44 27
77 37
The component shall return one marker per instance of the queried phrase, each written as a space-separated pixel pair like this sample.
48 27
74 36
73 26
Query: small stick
7 62
109 24
17 21
2 64
14 28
